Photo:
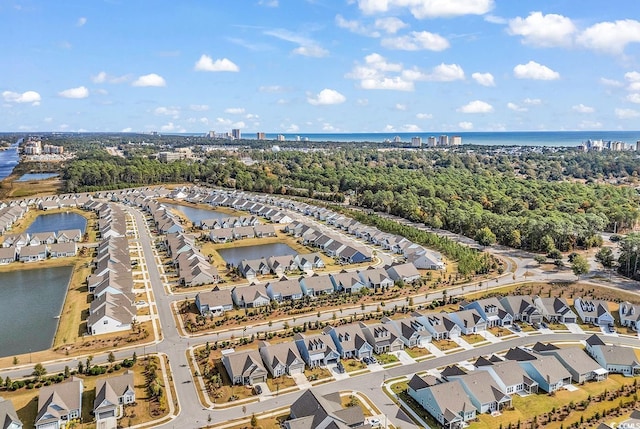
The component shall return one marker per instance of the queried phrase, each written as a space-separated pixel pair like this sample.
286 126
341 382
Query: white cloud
417 41
151 79
590 125
103 77
31 97
634 98
401 107
493 19
167 111
581 108
171 127
199 107
389 129
627 113
126 130
373 74
424 116
516 108
410 128
632 76
355 26
252 116
429 8
206 63
543 30
327 97
269 3
535 71
610 82
234 110
292 128
476 106
271 89
465 125
611 37
484 79
362 102
204 120
79 92
390 24
81 21
532 101
239 124
440 73
311 51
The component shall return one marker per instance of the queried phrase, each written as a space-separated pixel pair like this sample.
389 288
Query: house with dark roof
521 308
350 341
312 411
281 358
555 310
483 391
469 321
317 350
615 359
441 326
448 403
492 311
382 338
244 367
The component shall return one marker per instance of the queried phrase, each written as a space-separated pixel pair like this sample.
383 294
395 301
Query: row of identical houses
39 246
192 267
111 282
455 396
60 404
218 301
10 214
280 265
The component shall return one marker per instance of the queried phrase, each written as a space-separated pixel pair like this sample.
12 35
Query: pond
8 159
31 304
54 222
235 255
196 214
36 176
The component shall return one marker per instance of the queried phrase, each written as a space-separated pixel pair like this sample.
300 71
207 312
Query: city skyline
317 66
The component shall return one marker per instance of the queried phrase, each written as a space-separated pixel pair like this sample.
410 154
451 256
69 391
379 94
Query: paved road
192 414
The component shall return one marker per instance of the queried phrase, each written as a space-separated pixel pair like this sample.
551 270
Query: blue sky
319 66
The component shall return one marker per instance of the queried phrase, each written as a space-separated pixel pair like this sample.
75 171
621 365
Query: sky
319 66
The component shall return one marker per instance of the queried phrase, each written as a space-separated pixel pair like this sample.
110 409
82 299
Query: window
106 322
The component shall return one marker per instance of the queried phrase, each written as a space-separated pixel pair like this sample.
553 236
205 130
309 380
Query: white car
374 422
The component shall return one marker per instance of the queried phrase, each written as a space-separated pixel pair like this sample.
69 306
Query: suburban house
316 350
8 416
354 255
411 330
469 321
8 255
375 278
615 359
221 235
578 363
244 367
483 391
548 372
280 265
407 272
281 358
423 259
509 376
214 302
347 282
441 326
112 393
110 313
63 249
33 253
521 308
593 311
309 261
284 290
264 230
251 268
17 240
250 296
491 310
59 403
448 403
312 411
382 338
67 235
350 341
42 238
316 285
629 314
555 310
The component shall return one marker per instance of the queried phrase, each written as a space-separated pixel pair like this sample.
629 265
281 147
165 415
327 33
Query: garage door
53 425
298 370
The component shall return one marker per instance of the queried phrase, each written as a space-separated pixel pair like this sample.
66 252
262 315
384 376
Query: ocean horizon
498 138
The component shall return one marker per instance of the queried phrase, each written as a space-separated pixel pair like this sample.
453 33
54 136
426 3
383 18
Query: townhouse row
39 246
455 396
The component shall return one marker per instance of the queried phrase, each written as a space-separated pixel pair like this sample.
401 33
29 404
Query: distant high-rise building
261 136
236 134
212 134
456 141
638 146
280 138
397 139
416 141
443 140
431 141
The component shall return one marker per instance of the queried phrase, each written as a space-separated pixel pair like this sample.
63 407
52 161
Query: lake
196 214
235 255
31 302
36 176
8 159
55 222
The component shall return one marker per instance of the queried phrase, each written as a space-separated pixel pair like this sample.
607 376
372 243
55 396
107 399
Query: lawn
278 384
318 373
445 345
417 352
352 365
474 338
386 358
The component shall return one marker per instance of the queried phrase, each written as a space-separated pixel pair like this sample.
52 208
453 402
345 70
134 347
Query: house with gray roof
593 311
33 253
312 411
316 350
407 272
548 372
309 261
8 255
221 235
448 403
284 290
492 311
521 308
59 403
283 264
250 296
350 341
555 310
67 235
63 249
347 282
214 302
112 394
483 391
411 330
251 268
244 367
579 364
629 315
615 359
316 285
8 416
469 321
382 337
441 326
509 376
375 278
281 358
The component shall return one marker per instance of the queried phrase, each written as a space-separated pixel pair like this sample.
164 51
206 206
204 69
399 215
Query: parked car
544 325
516 328
373 359
340 368
258 389
374 422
